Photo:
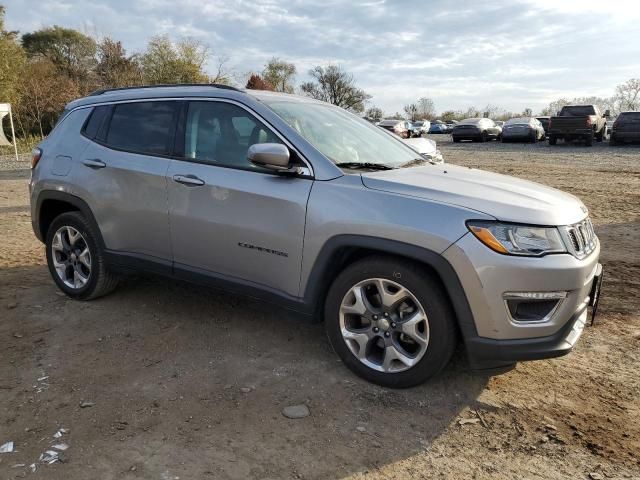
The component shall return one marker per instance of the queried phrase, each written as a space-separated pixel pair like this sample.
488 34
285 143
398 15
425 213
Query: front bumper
487 354
496 339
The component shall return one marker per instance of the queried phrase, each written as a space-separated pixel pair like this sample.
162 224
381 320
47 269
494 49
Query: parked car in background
578 122
450 124
476 129
438 127
499 123
524 129
610 122
426 148
626 128
544 120
414 130
399 127
423 125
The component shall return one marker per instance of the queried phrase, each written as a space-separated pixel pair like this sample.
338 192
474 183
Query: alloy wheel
384 325
71 257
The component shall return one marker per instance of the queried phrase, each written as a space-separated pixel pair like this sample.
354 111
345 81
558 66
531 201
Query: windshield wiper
369 165
417 161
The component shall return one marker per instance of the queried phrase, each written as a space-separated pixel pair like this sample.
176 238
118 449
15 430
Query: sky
513 54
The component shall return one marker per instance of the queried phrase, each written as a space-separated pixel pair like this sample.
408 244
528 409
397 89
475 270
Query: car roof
181 91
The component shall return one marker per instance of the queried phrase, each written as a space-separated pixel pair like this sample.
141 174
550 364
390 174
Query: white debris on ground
7 448
53 454
42 384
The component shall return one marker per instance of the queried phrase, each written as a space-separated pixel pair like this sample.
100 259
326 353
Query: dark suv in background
626 128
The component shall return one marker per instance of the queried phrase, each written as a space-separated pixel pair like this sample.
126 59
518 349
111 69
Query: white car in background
426 148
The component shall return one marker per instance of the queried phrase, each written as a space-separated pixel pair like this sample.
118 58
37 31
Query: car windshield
518 121
341 136
418 124
579 111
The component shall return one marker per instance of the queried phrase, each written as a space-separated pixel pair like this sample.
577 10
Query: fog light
532 307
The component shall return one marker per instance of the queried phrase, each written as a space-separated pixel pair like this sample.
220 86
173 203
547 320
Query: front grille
582 238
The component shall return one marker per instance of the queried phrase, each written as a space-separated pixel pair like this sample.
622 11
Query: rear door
229 218
122 175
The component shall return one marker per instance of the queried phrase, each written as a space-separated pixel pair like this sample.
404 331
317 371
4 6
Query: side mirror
273 156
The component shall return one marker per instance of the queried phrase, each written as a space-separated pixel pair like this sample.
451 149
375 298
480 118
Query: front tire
390 322
76 259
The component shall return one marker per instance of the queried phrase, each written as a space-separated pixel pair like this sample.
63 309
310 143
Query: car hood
503 197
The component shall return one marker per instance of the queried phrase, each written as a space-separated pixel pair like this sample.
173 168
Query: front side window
220 133
143 127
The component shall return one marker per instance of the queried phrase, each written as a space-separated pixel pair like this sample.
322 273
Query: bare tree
426 109
627 96
374 113
334 85
411 111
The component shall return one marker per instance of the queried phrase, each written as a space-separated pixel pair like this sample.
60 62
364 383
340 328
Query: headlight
513 239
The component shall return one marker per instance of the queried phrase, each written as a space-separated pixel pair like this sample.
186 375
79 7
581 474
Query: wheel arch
52 203
342 250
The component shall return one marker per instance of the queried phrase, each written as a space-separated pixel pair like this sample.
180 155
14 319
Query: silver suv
301 203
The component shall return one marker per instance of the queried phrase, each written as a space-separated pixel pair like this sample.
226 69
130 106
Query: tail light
615 124
589 122
36 155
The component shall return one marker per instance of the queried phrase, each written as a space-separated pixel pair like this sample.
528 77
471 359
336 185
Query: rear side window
94 122
143 127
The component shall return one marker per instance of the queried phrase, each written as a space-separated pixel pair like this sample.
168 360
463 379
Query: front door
228 217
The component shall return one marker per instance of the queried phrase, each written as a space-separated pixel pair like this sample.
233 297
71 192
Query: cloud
513 54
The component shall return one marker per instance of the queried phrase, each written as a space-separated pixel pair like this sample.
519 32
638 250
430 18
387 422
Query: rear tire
76 259
553 140
483 137
534 137
455 139
412 295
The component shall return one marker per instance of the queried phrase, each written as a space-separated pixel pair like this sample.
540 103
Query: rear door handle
94 163
188 180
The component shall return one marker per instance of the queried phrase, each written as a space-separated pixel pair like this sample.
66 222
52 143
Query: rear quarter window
95 120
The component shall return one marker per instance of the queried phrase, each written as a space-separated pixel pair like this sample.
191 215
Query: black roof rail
215 85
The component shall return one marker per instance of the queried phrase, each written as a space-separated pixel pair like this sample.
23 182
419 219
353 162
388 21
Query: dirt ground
178 381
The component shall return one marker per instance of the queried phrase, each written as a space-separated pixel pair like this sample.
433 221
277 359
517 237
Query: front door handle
188 180
94 163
